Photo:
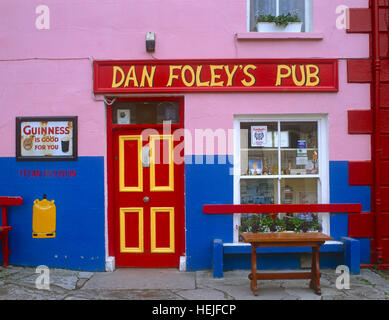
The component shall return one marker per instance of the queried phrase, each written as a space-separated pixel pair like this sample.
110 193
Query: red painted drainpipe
376 143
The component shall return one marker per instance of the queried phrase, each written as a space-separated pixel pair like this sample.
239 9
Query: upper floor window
284 12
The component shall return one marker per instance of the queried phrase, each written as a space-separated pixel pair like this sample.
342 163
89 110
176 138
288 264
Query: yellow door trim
122 187
123 248
153 230
169 187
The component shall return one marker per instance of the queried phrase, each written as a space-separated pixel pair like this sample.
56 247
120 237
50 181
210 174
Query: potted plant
283 23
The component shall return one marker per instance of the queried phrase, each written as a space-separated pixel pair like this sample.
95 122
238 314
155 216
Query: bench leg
315 271
253 283
5 249
217 259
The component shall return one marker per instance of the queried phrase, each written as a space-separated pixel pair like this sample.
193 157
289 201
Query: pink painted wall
49 72
218 109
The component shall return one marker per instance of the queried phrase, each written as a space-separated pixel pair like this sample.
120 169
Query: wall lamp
150 41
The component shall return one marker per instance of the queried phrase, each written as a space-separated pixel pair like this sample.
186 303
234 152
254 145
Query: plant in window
281 21
297 223
289 226
289 22
305 226
315 224
265 223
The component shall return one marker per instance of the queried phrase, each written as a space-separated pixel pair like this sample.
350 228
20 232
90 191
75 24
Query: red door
148 198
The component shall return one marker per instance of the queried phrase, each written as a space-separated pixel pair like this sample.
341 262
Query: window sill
258 36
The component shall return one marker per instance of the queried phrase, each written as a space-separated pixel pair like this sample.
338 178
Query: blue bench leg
352 254
217 258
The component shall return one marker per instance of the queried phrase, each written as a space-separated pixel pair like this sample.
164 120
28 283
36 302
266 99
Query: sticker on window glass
123 116
258 136
284 139
301 144
301 161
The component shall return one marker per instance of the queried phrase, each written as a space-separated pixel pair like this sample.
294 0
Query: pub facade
124 128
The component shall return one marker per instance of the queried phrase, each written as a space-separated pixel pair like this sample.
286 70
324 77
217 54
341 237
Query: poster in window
301 144
255 167
258 136
46 138
284 139
307 197
123 116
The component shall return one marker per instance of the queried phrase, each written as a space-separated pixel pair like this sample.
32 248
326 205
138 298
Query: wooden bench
5 228
313 240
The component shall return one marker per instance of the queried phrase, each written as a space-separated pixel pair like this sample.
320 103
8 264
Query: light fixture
150 41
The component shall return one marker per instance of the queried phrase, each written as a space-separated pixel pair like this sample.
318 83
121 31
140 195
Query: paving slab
123 295
57 282
204 294
18 283
14 273
18 292
237 285
132 278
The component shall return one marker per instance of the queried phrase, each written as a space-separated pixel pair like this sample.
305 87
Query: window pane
299 191
267 7
145 112
259 153
293 6
261 191
258 7
299 148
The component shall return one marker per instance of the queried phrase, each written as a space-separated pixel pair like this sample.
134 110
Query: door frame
111 230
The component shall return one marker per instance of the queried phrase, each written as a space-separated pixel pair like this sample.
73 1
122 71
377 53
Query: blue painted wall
279 261
341 192
208 183
80 241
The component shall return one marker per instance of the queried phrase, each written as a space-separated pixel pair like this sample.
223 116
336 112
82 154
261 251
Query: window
145 112
303 8
281 161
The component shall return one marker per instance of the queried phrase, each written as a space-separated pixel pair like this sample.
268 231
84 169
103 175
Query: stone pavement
19 283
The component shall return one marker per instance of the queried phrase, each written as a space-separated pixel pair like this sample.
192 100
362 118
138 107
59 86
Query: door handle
146 199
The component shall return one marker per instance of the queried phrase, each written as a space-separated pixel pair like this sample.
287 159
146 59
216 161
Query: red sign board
143 76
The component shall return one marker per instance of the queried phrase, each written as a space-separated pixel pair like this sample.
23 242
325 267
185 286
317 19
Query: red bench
5 228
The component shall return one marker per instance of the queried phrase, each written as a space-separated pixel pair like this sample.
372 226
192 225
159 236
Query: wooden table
310 239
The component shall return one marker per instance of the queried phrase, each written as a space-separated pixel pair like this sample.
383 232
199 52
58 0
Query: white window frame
322 176
308 14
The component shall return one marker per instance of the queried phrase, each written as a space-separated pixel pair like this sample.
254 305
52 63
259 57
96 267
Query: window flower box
273 27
